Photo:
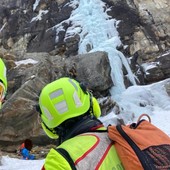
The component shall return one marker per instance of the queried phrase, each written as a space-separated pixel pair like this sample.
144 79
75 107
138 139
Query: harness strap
66 155
146 164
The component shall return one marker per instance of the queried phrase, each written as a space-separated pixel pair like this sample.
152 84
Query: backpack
141 145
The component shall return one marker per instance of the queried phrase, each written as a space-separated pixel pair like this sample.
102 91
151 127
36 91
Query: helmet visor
2 92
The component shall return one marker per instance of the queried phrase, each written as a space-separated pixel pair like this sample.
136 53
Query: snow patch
27 61
39 16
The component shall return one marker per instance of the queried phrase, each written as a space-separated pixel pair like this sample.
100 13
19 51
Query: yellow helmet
61 100
3 77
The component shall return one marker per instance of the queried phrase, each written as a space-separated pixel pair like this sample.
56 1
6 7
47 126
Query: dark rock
19 118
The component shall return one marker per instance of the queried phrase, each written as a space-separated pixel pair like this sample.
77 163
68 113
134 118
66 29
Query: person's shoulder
55 160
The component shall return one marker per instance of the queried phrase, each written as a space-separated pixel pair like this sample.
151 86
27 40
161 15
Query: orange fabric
126 154
22 146
144 136
144 132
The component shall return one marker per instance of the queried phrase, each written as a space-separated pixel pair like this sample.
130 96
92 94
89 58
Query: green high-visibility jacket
3 77
88 151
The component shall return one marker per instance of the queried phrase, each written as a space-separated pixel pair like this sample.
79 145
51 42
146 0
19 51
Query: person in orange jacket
70 113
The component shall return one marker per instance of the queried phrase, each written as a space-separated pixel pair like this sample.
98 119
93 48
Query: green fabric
3 77
75 152
80 144
77 147
61 100
55 161
83 144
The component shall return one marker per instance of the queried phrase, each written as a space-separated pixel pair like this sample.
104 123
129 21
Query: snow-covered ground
97 29
18 164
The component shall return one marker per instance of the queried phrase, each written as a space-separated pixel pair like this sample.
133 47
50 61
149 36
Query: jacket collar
86 124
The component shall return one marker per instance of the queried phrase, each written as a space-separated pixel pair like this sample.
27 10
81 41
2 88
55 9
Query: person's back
70 112
87 151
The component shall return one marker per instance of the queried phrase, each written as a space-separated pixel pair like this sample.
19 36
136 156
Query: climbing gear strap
66 155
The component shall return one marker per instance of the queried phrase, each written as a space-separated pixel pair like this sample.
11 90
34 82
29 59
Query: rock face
19 119
144 29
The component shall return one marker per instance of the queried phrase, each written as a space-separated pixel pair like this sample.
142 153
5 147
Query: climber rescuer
3 82
69 112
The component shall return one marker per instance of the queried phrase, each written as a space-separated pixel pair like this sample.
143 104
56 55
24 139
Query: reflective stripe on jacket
89 151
